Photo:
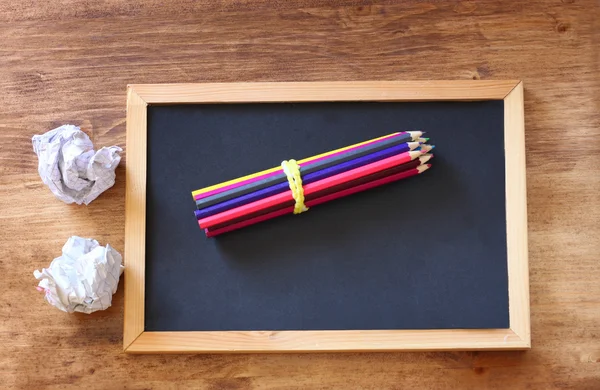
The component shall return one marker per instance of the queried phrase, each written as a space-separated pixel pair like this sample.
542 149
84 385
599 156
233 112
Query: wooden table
70 63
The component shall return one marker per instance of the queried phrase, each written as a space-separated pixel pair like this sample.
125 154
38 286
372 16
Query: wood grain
135 218
70 62
516 214
325 91
327 341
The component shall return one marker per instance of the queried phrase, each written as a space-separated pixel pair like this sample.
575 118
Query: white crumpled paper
71 168
84 278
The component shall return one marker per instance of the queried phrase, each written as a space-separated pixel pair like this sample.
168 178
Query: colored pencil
365 179
217 188
309 188
323 199
305 171
306 179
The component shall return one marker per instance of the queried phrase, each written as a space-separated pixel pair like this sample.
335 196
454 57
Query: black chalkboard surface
428 252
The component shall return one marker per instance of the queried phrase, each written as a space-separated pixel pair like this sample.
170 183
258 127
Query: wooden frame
136 340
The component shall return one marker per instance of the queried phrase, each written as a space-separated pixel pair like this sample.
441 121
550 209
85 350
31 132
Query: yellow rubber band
292 171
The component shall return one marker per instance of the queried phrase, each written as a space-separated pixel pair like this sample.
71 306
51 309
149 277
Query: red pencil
308 189
317 201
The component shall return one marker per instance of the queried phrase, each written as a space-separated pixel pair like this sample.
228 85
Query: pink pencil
323 199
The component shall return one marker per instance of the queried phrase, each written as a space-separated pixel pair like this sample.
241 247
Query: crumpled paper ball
69 166
84 278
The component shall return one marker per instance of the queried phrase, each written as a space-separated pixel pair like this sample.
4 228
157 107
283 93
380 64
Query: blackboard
429 252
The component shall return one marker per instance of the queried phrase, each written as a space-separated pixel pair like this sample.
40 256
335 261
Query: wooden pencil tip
426 148
426 157
423 168
415 154
415 134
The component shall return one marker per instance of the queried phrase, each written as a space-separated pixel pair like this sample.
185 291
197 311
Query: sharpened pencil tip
423 168
415 135
415 154
424 158
426 148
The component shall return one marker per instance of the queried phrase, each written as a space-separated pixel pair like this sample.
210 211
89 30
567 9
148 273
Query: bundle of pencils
296 186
